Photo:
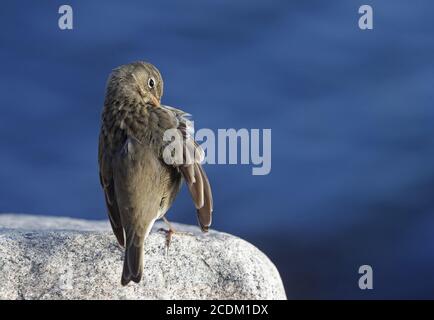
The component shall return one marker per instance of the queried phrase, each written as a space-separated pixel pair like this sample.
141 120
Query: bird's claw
169 234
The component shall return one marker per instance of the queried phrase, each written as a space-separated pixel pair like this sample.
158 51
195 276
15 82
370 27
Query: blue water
351 114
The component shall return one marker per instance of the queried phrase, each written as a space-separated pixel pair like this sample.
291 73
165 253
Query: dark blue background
351 114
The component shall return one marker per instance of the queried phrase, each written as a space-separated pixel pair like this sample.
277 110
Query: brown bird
139 183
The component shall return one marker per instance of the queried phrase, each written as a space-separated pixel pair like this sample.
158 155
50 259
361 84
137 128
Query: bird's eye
151 83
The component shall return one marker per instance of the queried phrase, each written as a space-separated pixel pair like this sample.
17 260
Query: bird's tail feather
133 261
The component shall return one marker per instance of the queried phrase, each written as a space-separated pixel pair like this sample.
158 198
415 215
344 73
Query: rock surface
63 258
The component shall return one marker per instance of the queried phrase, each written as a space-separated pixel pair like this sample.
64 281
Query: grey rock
64 258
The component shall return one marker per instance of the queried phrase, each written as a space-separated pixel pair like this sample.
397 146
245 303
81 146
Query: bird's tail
133 261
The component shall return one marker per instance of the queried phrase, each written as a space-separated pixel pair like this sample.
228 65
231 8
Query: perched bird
139 183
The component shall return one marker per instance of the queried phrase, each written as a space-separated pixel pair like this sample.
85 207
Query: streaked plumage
139 186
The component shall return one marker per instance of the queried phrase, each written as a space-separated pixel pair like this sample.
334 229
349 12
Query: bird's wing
107 183
191 168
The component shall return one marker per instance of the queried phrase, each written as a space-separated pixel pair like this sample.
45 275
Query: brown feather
195 188
204 213
106 179
193 173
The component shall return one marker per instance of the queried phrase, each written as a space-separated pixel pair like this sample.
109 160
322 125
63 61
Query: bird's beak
154 100
151 99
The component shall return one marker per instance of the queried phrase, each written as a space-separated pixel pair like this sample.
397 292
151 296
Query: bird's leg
170 233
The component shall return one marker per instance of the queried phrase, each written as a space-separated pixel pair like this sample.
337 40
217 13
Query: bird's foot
169 233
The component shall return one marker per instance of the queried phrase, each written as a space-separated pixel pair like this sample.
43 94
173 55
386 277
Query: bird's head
138 80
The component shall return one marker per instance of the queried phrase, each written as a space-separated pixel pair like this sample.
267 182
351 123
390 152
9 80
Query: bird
139 182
